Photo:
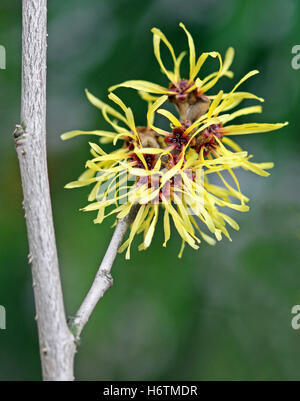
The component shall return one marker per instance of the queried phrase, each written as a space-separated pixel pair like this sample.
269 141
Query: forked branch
103 279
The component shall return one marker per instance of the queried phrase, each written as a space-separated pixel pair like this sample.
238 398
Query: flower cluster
169 169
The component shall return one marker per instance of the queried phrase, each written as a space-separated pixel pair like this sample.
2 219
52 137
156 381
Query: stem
103 279
56 342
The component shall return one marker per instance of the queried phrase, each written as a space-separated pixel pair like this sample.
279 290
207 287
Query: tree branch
57 346
57 343
103 279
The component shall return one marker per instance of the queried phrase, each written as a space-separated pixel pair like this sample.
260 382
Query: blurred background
221 312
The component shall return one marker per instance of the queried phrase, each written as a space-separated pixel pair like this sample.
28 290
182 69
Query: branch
57 346
103 280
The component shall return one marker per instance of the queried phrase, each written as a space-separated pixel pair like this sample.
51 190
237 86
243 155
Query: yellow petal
191 49
134 227
101 105
170 173
178 63
151 151
118 101
150 232
244 111
97 148
179 224
170 117
211 83
157 37
150 114
142 86
181 249
80 183
229 55
247 76
214 104
201 60
147 97
167 229
251 128
232 100
232 144
257 168
72 134
115 124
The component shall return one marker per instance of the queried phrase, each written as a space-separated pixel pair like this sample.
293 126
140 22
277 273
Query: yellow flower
153 168
169 170
180 88
177 182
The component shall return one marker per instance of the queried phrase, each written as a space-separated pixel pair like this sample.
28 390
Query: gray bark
57 343
57 347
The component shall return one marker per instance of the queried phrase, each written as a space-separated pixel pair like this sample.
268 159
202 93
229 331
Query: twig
57 346
103 280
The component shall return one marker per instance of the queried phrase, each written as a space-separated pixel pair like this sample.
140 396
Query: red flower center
209 138
149 159
178 138
180 89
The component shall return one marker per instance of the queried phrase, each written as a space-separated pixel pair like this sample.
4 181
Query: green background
221 312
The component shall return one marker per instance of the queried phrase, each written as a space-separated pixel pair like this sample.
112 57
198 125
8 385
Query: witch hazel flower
152 170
